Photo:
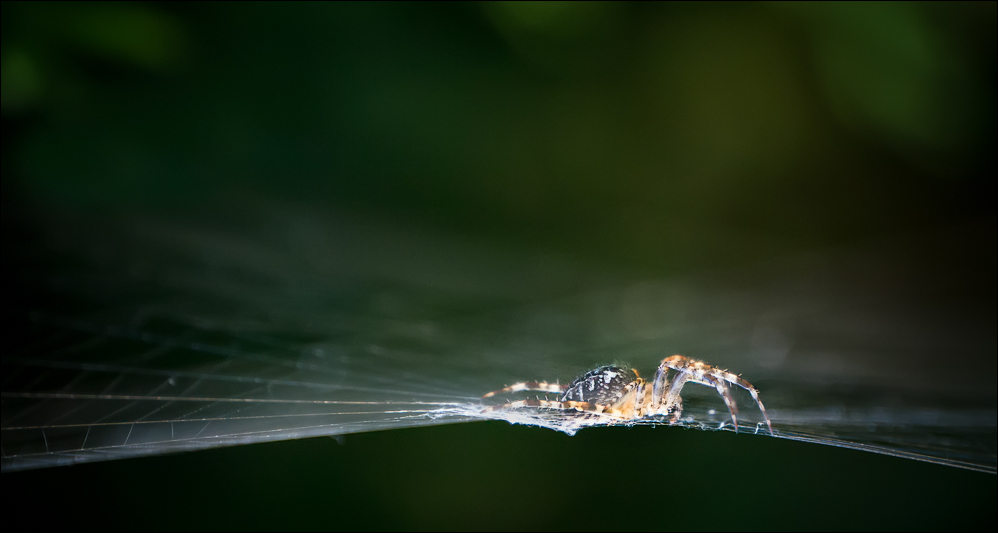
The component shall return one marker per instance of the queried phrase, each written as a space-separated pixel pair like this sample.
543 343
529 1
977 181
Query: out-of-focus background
651 139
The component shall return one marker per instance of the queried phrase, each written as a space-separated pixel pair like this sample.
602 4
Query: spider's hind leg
531 386
536 403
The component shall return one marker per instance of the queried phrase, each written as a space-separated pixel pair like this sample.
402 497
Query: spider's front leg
666 393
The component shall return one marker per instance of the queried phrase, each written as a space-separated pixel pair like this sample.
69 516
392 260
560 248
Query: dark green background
663 137
656 139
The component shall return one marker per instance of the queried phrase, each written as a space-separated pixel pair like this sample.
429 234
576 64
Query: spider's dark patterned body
604 385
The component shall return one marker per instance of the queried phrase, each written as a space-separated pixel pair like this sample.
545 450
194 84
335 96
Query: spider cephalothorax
622 394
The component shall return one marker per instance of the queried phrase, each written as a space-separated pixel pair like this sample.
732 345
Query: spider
611 390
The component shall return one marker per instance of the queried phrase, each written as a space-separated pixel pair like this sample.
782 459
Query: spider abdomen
604 385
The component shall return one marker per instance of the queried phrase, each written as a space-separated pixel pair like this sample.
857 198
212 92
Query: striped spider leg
538 386
665 394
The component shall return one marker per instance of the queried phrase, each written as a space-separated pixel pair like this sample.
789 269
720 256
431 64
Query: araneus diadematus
610 391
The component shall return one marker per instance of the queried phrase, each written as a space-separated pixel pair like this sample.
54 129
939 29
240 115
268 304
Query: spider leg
725 393
667 399
704 374
737 380
535 386
673 399
548 404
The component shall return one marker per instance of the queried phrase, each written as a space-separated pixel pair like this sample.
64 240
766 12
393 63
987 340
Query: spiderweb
147 336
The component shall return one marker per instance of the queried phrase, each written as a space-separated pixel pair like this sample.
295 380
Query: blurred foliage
656 136
45 45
